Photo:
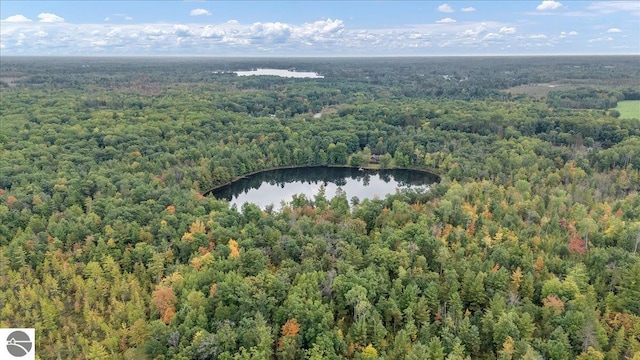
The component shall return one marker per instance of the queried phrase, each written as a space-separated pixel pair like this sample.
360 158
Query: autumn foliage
233 246
108 249
554 303
290 328
164 301
576 245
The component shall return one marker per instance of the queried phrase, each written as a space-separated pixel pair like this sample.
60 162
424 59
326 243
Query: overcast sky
319 28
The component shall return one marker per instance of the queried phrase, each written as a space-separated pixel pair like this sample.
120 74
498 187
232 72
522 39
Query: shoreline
240 177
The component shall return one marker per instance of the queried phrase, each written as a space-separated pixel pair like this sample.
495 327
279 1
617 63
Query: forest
527 248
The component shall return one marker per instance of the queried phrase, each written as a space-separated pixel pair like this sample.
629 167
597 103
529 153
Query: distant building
374 159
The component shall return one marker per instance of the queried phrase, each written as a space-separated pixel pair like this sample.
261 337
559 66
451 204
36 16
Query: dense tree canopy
527 248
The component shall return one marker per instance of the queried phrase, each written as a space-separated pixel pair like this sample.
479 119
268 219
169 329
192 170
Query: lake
274 186
281 73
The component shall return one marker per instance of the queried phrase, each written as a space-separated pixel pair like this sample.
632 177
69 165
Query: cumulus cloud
538 36
507 30
198 12
17 19
614 30
276 32
320 29
128 18
49 18
212 32
548 5
41 34
107 18
21 38
232 37
273 34
446 20
468 9
182 30
326 36
472 33
150 30
445 8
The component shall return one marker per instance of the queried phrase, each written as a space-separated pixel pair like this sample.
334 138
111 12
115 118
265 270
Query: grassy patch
538 90
629 109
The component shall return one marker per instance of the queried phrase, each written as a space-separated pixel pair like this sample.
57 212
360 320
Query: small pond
274 186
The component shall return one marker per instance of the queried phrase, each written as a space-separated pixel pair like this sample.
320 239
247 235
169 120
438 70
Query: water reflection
273 187
281 73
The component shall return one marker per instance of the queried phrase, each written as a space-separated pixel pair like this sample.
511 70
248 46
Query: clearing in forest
629 109
537 90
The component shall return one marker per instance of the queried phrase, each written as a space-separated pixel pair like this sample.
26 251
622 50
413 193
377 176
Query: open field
629 109
538 90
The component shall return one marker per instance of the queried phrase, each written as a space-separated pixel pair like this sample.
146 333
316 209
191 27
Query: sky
318 28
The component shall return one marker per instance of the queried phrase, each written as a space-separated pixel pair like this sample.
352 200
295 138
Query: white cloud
49 18
468 9
608 7
322 37
198 12
153 31
114 32
17 19
548 5
491 36
614 30
276 32
21 38
211 31
564 34
538 36
182 30
445 8
98 43
118 16
321 31
41 34
507 30
601 39
446 20
472 33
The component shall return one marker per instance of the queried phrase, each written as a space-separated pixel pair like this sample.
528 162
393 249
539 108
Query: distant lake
281 73
274 186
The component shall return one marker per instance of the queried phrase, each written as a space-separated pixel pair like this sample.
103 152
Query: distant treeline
589 98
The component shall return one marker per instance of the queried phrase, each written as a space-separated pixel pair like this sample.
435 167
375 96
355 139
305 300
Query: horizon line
308 56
